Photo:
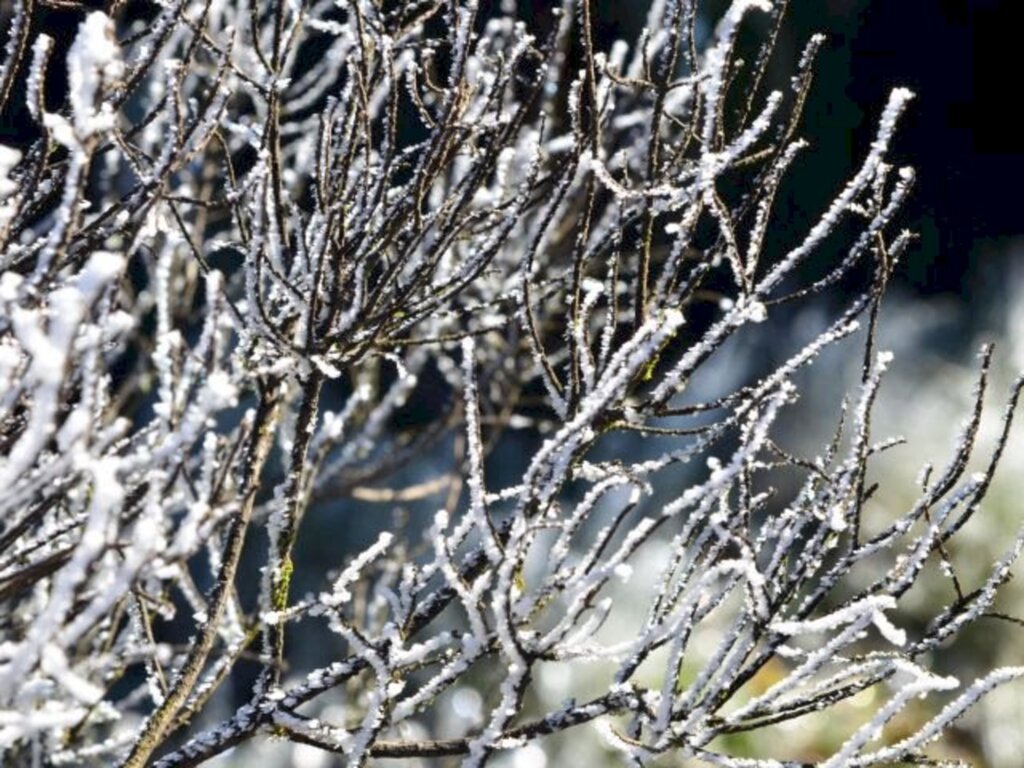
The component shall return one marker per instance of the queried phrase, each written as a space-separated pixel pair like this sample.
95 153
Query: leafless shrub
242 216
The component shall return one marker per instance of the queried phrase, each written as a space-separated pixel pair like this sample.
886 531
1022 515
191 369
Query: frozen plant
265 267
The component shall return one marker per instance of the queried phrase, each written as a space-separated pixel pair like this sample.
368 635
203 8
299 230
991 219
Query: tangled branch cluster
249 236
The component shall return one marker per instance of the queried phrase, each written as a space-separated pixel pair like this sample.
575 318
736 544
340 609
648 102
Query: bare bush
251 239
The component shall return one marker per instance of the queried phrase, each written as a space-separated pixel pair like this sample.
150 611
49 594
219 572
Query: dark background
963 59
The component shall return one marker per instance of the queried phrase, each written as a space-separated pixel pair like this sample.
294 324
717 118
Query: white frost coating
107 494
624 572
93 63
107 490
871 605
340 591
9 158
601 171
53 662
475 481
921 683
48 339
898 100
949 714
33 87
221 390
101 268
754 311
717 58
